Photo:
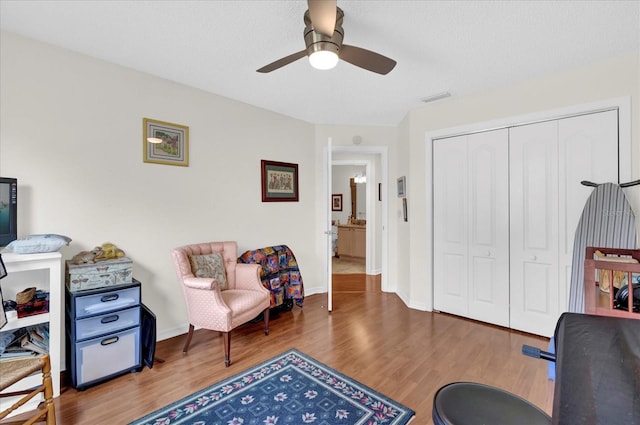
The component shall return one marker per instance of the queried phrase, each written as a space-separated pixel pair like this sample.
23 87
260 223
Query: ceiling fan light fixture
323 43
323 59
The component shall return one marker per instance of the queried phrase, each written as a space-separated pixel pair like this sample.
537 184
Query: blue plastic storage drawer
92 327
102 302
98 358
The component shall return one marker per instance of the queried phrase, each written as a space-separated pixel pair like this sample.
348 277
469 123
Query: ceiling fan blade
366 59
282 62
323 15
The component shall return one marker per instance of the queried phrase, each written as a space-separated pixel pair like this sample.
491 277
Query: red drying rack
601 303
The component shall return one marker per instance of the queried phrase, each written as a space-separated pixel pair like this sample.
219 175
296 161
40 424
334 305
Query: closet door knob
488 253
534 258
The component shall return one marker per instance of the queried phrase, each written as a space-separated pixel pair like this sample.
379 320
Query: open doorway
374 215
349 216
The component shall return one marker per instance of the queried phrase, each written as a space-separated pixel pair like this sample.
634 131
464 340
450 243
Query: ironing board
608 221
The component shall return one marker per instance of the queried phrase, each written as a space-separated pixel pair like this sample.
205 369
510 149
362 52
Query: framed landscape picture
279 181
165 143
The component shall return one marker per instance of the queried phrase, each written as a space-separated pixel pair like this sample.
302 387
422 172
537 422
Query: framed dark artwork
402 187
336 202
279 181
165 143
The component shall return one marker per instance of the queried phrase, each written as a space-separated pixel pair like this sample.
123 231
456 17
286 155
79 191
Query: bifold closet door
514 196
548 162
588 150
471 225
533 151
450 226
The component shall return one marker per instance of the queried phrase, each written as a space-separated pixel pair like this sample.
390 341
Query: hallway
340 266
350 277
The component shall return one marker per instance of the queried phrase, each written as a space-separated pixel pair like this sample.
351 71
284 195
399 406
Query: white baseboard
171 332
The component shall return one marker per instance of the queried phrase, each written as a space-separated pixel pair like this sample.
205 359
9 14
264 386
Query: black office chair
471 403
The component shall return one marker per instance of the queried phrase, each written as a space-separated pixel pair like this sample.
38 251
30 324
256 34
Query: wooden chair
16 370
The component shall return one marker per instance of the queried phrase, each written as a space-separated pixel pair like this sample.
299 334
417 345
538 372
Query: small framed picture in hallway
336 202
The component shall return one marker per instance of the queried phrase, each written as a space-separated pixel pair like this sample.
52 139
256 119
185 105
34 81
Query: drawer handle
109 341
110 319
111 297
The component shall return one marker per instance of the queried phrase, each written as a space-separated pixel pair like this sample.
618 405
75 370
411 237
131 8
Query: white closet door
588 150
533 151
488 201
471 230
450 231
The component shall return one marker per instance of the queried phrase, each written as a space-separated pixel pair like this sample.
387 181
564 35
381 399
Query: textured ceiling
463 47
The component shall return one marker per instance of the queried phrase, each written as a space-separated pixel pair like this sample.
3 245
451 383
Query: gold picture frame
171 146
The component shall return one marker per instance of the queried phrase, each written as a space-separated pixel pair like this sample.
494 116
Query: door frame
382 151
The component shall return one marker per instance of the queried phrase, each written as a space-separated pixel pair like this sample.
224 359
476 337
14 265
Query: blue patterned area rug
291 388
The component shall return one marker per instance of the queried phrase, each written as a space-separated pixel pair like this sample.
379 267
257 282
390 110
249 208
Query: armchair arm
248 277
201 283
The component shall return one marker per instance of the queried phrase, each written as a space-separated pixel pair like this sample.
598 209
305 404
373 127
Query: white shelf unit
44 271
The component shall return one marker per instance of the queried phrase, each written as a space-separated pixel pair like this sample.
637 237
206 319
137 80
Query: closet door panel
538 286
533 151
450 225
454 284
588 150
489 227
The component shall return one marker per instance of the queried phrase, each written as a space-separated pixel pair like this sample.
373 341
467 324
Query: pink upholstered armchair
209 304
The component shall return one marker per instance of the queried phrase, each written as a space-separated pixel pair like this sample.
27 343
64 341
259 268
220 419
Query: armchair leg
266 321
227 348
188 341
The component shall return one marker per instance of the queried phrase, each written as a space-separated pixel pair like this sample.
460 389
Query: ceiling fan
323 36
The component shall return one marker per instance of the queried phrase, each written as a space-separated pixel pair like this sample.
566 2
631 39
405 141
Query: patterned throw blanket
279 273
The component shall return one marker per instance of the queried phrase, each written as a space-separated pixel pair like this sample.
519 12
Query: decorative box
80 277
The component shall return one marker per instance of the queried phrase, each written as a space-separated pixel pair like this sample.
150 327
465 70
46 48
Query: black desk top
597 371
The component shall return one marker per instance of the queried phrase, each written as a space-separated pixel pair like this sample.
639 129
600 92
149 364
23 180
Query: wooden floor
370 336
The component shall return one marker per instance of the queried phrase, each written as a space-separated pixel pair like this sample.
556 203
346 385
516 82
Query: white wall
604 80
361 200
71 132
